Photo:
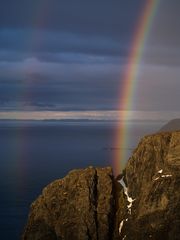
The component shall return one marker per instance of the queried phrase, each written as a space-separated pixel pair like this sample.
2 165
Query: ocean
34 153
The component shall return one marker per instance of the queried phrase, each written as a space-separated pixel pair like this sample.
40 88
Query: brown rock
153 180
80 206
143 203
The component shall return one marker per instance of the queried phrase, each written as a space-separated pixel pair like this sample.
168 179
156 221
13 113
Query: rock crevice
79 206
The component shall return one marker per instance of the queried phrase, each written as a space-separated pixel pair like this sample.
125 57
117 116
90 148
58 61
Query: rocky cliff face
79 206
143 203
153 179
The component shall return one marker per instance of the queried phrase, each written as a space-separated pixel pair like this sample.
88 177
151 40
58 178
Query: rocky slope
143 203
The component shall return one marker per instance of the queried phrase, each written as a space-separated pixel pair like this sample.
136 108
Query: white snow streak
129 199
162 176
156 178
168 175
121 226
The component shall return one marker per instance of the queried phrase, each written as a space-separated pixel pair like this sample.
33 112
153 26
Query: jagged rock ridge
143 203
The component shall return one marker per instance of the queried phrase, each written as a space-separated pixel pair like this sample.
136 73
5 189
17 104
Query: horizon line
108 115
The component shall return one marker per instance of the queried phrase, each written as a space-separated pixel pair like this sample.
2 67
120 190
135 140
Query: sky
58 56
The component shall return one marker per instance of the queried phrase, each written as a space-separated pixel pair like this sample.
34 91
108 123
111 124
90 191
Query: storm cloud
57 55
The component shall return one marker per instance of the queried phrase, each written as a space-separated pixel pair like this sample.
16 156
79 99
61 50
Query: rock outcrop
79 206
152 176
142 203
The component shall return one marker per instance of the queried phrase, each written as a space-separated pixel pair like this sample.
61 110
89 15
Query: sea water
34 153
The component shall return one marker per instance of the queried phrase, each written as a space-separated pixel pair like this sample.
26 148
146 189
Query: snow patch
121 226
156 179
163 176
167 175
129 199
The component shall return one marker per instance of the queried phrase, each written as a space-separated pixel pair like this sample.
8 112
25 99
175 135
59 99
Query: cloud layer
90 115
60 56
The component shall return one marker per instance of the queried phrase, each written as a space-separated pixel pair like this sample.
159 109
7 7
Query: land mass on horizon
172 125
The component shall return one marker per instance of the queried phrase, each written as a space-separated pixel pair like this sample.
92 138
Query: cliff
142 203
153 179
79 206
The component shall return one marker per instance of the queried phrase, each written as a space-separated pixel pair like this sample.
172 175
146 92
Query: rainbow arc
130 79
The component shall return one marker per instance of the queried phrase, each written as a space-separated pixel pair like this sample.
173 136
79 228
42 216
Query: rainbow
130 80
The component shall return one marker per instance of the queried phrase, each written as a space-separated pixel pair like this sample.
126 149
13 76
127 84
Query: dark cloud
86 17
43 27
50 45
158 88
70 55
166 31
56 86
163 45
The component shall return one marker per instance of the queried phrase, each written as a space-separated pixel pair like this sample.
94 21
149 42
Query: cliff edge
142 203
